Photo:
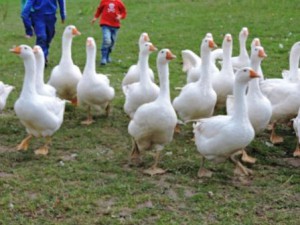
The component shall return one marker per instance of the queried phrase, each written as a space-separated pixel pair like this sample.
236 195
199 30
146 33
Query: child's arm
62 9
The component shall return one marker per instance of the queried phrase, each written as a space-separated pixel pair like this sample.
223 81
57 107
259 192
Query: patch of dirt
6 175
4 149
295 162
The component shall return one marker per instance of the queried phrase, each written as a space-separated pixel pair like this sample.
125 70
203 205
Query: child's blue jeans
109 36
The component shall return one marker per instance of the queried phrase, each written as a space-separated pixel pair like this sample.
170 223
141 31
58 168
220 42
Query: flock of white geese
252 102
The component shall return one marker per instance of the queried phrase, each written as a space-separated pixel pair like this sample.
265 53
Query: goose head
164 56
90 43
144 38
245 74
255 42
244 34
208 44
258 53
147 48
71 31
227 41
24 51
38 52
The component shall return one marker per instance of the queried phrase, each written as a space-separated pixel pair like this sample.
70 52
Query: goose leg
274 138
297 150
24 144
135 156
44 149
203 172
74 101
154 170
89 119
247 158
107 110
240 169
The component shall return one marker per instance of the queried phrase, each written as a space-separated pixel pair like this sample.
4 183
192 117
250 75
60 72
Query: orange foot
204 173
42 151
24 144
247 158
154 171
275 139
297 153
87 122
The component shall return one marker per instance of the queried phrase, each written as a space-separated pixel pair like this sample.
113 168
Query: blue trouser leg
28 26
109 35
44 27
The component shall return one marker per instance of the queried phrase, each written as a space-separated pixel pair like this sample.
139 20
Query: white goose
259 107
5 90
296 126
242 60
153 123
223 81
132 74
145 90
256 42
41 87
41 115
219 137
293 74
284 97
192 63
65 76
197 99
93 90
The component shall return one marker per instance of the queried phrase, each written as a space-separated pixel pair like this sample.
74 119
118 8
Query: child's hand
118 17
93 20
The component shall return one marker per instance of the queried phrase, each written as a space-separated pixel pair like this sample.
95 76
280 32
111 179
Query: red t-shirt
109 9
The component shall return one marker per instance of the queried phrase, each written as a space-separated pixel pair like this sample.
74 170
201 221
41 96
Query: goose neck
90 66
143 67
205 77
40 65
227 53
294 63
66 56
240 105
163 71
29 87
254 88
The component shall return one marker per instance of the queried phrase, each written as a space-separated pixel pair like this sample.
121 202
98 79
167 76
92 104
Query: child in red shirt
111 12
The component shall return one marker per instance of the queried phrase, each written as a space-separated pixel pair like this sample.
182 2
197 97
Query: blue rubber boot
104 53
108 59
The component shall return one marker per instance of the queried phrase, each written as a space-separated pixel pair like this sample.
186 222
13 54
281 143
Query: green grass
86 178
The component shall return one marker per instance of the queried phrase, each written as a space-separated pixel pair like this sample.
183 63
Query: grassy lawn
86 178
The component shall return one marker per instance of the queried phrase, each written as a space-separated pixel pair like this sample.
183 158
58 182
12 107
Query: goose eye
25 48
162 52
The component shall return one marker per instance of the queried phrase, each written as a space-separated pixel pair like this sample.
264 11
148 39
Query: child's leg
114 32
106 43
40 32
28 27
50 31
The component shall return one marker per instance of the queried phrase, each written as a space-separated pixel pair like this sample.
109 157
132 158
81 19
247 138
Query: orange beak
253 74
262 53
257 42
75 31
212 44
89 42
35 49
170 55
146 38
16 50
152 48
